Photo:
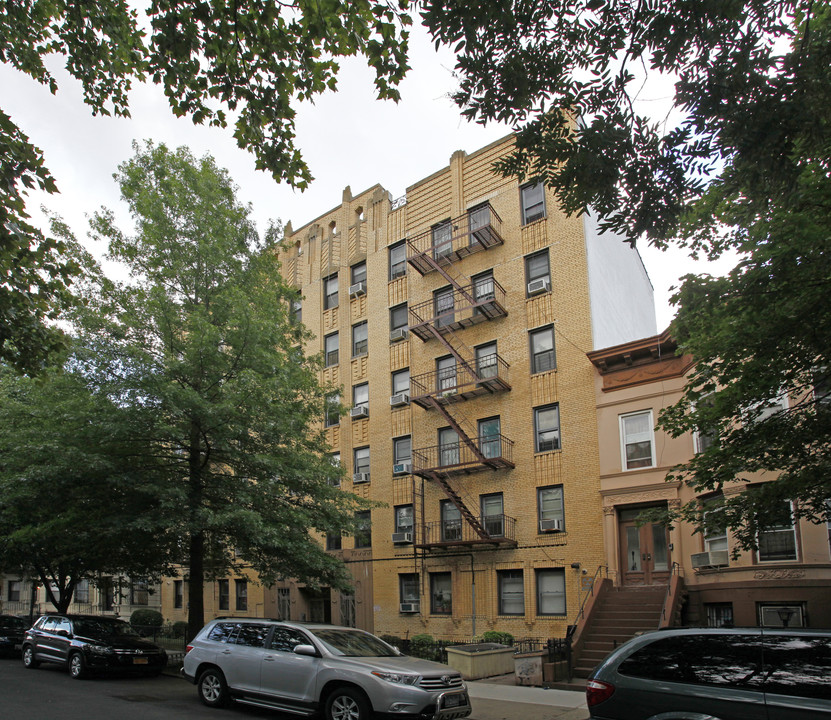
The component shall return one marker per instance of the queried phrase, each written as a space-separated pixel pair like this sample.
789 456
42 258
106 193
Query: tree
202 337
73 501
252 60
745 168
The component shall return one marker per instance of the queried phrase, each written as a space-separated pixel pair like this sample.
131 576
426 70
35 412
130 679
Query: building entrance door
645 558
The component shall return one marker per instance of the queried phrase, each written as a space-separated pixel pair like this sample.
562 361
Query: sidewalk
500 699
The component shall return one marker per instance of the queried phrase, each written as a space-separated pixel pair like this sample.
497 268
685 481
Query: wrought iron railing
499 528
456 308
495 451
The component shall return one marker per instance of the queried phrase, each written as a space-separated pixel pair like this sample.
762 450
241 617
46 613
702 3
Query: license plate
19 646
453 700
139 661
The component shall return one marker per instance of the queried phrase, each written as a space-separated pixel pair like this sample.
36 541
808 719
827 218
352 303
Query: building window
362 460
82 591
479 218
490 438
493 514
715 527
719 614
543 357
483 288
334 479
547 428
139 592
636 440
363 529
551 591
451 521
332 416
822 387
403 518
704 438
532 198
284 603
537 269
360 339
359 273
360 396
398 317
442 235
178 593
334 541
224 592
777 541
550 508
398 260
330 292
441 593
296 310
408 588
445 374
14 590
486 361
241 594
401 381
511 592
401 449
448 447
330 346
444 304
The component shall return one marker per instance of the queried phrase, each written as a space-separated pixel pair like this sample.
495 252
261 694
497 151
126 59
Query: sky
348 138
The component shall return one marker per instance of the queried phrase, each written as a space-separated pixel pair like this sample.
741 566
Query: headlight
100 650
4 638
397 678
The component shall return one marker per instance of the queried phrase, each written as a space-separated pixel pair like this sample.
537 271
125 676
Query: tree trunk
196 549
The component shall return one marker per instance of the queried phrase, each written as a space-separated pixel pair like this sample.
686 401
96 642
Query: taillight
188 649
597 691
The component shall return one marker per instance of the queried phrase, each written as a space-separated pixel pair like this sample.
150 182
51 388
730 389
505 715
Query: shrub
425 647
393 640
495 636
146 619
180 627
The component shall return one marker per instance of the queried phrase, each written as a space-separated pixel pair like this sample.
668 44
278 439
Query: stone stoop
624 613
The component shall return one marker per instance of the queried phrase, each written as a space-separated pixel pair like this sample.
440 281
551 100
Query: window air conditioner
399 399
402 468
361 411
398 334
409 607
542 285
357 289
714 558
555 525
361 477
402 537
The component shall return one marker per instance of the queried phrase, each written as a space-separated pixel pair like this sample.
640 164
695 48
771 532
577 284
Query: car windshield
353 643
104 628
10 621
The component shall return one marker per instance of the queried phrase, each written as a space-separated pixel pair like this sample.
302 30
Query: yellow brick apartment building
456 322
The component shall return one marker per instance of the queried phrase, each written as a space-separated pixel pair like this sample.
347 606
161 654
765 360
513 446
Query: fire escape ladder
463 436
428 256
456 499
464 362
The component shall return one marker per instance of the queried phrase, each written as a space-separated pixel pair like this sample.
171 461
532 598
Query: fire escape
460 375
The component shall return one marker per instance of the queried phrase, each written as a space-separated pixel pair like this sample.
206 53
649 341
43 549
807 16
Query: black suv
88 643
11 634
717 674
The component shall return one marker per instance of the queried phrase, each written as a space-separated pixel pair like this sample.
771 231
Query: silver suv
346 674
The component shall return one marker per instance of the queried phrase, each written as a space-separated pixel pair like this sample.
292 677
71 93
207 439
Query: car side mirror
64 633
305 650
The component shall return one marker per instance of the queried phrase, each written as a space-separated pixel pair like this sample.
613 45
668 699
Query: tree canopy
246 62
742 162
203 339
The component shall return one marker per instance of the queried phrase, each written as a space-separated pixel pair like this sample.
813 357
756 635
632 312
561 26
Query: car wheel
347 704
212 688
29 658
77 666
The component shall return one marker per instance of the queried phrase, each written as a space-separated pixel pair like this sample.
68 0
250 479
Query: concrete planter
481 660
528 668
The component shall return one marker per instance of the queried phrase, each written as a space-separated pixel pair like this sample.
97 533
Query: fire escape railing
494 451
458 308
498 529
461 382
478 229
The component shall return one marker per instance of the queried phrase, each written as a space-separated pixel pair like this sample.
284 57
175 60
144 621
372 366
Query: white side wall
621 294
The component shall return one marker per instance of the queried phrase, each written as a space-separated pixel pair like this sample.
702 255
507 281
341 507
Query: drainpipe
473 593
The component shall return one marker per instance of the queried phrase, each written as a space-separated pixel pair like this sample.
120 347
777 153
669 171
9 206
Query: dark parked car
11 634
89 643
717 674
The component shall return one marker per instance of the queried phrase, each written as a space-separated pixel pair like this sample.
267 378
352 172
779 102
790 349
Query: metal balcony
457 308
487 374
458 458
500 529
478 229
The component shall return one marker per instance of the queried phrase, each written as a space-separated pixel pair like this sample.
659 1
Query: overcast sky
347 138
